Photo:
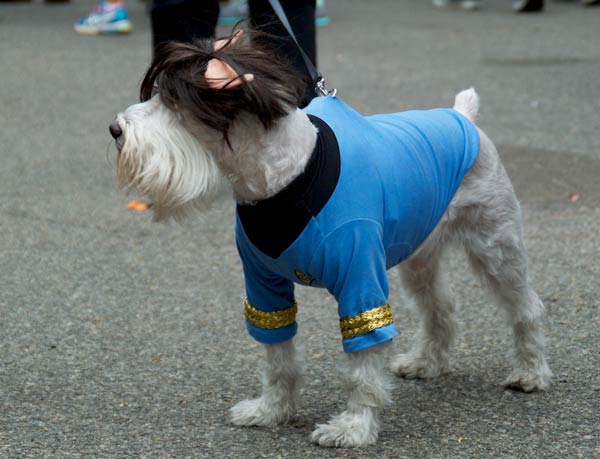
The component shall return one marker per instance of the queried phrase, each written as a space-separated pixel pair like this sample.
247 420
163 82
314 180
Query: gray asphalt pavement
120 338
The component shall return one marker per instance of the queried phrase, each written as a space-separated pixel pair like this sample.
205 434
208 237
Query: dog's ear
220 75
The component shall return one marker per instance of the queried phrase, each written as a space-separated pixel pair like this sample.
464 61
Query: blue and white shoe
321 16
105 18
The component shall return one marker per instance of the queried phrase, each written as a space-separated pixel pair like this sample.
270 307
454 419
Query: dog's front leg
370 386
281 377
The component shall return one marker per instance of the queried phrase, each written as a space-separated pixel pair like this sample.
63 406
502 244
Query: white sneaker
469 5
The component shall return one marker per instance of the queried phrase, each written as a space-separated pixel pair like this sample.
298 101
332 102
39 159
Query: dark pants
184 20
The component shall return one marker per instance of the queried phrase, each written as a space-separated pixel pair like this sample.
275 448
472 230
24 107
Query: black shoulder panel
273 224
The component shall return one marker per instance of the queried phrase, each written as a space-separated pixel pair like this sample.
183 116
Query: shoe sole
464 5
112 28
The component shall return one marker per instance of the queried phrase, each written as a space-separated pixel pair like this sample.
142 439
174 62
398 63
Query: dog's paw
347 430
528 380
261 412
410 366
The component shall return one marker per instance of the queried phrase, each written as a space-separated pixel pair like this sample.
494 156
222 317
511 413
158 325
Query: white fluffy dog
229 109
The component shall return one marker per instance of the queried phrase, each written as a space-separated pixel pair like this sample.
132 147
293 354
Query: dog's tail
467 103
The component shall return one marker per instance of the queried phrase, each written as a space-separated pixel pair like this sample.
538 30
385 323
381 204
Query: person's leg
301 15
183 20
233 11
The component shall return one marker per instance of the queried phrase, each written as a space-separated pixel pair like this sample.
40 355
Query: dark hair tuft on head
177 75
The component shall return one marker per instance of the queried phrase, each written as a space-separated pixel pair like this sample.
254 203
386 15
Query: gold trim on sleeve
270 320
366 322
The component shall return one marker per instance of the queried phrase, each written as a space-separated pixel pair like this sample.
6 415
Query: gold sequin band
270 320
366 322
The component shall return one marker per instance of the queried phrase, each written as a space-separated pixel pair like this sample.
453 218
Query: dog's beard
164 162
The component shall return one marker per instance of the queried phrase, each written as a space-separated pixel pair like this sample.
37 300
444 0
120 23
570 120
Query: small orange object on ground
138 206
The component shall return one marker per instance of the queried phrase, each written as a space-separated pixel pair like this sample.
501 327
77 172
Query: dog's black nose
115 130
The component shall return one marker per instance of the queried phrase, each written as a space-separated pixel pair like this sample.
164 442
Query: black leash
315 75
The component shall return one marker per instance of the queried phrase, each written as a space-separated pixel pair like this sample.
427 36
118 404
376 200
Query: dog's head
191 96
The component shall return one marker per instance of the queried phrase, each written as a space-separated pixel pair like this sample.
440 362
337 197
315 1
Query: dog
329 198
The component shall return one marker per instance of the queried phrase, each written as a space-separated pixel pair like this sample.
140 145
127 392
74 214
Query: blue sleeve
351 264
270 308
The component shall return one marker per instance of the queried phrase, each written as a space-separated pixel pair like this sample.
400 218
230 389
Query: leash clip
322 90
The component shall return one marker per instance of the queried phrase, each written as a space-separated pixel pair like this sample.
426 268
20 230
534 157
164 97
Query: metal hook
320 88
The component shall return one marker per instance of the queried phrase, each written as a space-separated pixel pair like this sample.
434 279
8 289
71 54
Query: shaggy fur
178 144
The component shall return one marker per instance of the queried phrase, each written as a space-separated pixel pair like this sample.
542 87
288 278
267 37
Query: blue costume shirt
373 191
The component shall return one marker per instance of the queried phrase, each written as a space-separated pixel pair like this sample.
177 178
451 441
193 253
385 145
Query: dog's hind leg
488 218
281 379
503 263
429 358
370 386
